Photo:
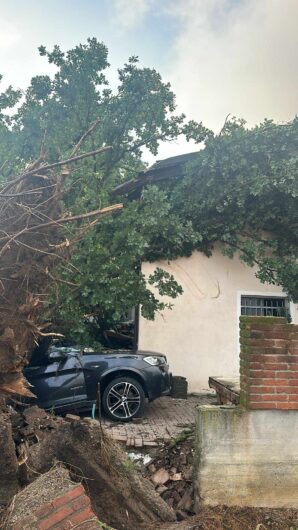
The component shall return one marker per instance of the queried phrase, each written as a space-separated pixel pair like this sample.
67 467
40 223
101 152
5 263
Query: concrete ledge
246 458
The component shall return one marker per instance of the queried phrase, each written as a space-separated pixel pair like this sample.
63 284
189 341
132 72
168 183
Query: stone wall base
246 458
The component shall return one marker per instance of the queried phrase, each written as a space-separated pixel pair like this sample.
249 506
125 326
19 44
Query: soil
235 518
120 497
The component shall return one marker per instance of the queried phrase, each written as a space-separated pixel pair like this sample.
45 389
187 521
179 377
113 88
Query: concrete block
246 458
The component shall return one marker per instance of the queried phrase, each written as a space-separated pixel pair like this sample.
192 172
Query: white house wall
200 335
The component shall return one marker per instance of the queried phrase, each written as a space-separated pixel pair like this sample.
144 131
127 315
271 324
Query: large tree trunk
120 496
9 483
15 342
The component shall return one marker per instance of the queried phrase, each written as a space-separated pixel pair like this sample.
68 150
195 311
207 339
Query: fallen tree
37 233
119 495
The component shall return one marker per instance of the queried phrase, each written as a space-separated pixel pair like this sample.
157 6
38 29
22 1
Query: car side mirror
55 356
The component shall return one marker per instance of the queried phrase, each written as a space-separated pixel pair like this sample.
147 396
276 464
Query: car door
59 383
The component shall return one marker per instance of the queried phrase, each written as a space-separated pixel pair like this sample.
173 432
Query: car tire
123 399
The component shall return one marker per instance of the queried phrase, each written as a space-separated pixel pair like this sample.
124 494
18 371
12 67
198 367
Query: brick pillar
268 363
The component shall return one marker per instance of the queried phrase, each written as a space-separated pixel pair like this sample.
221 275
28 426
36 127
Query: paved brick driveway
163 419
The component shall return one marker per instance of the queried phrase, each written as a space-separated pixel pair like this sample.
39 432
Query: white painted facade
200 335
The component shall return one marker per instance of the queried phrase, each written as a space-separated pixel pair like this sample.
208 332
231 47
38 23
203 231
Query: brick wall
268 363
70 510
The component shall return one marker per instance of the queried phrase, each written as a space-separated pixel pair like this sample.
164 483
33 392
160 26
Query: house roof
162 169
174 161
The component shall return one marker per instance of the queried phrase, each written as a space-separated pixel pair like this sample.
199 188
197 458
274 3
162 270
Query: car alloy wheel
123 399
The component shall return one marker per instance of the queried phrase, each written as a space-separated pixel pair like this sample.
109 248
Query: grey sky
221 56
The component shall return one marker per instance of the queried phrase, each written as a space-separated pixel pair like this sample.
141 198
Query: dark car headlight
155 360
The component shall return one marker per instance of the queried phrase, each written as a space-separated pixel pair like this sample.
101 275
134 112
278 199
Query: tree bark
116 489
9 484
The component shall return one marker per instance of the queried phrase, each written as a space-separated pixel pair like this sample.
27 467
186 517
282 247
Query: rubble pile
171 473
119 496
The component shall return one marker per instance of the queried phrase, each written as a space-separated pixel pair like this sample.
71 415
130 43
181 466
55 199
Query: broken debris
171 473
160 477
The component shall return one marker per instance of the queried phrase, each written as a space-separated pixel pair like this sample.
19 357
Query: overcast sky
220 56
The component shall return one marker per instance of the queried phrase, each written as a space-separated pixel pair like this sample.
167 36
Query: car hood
125 353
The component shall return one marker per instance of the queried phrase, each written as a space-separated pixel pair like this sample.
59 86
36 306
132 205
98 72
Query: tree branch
83 138
52 166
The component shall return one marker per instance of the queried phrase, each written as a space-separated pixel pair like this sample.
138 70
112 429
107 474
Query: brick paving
164 419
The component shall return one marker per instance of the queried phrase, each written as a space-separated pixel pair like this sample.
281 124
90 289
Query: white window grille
264 306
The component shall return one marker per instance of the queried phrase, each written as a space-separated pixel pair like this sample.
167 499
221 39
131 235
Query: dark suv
68 378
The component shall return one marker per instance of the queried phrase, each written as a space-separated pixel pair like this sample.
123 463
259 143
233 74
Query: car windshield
71 349
64 349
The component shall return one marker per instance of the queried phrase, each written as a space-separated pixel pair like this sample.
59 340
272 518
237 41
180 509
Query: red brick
260 343
274 328
272 358
258 366
257 334
262 373
283 334
287 389
60 501
257 398
279 350
264 406
55 518
69 496
293 366
288 374
262 350
288 406
281 343
269 366
262 389
80 503
292 397
292 359
293 350
271 382
80 517
294 343
277 366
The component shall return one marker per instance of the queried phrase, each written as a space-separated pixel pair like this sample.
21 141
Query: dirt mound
234 518
120 496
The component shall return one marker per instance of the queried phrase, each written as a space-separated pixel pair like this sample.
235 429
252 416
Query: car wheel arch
107 377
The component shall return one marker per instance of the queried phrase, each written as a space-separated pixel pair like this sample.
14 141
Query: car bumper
167 390
158 382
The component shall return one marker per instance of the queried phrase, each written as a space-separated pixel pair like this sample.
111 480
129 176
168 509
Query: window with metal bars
263 306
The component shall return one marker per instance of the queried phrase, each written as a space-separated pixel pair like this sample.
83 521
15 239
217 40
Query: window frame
262 309
263 294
